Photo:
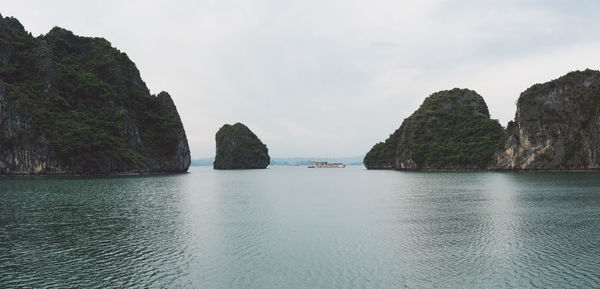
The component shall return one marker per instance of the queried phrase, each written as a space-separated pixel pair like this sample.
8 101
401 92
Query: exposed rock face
556 126
76 105
239 148
452 130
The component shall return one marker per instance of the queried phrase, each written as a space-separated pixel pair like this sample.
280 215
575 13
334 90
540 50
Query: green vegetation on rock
451 130
84 102
240 148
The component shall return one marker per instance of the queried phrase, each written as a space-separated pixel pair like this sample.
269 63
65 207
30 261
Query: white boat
326 165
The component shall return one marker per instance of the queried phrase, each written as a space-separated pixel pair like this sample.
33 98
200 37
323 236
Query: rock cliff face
556 126
239 148
76 105
452 130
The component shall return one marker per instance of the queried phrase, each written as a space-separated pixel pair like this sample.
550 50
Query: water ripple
299 228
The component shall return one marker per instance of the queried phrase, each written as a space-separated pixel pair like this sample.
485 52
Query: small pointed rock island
239 148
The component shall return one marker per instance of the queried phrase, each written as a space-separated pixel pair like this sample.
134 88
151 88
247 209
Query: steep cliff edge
556 126
451 130
76 105
239 148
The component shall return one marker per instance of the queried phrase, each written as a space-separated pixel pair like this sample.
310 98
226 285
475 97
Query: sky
328 78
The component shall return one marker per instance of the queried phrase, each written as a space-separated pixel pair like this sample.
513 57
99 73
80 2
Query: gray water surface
293 227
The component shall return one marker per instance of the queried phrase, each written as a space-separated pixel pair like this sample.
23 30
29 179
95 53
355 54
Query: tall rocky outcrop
76 105
556 126
451 130
239 148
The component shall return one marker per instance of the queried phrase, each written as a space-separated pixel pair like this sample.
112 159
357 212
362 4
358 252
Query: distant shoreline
290 161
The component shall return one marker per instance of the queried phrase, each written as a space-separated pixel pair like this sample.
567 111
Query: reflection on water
291 227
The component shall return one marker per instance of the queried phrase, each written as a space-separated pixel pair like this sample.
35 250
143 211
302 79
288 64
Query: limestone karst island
239 148
76 105
556 127
451 130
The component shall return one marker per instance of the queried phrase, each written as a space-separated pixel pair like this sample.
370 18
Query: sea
295 227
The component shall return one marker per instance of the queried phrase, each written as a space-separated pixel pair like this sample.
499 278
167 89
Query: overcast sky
329 78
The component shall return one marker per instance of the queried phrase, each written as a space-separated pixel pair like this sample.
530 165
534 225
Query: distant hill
293 161
202 162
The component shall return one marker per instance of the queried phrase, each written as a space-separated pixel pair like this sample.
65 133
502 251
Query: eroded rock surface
239 148
556 126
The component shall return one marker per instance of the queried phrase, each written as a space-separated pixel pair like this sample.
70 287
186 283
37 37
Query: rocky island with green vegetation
452 130
556 126
77 105
239 148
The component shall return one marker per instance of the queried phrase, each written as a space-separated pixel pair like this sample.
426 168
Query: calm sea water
293 227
